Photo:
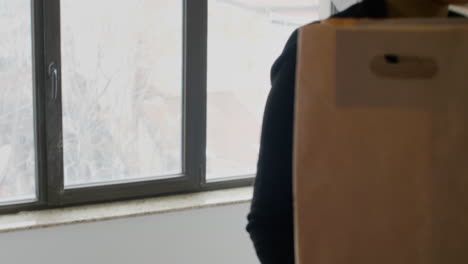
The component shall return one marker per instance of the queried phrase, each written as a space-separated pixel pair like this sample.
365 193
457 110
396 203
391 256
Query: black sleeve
270 222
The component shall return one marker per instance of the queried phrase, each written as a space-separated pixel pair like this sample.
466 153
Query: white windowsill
108 211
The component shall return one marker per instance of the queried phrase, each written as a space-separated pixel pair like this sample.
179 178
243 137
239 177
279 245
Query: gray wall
206 236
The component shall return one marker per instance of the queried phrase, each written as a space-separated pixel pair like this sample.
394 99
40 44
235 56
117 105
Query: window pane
122 90
17 145
244 39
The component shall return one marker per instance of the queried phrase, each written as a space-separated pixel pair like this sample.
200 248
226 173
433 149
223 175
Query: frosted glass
244 39
17 145
122 90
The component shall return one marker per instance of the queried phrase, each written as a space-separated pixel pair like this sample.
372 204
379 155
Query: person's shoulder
288 56
358 10
292 40
290 49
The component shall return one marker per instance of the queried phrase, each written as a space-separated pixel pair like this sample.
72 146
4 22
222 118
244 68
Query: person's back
271 217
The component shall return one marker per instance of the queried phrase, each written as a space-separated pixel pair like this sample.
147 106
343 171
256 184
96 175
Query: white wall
324 8
214 235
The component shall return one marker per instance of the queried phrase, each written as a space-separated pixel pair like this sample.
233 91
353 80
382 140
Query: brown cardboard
381 160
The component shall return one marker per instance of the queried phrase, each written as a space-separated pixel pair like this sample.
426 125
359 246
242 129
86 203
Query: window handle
53 74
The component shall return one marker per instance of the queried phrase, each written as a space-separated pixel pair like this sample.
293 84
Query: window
121 90
244 39
17 143
106 100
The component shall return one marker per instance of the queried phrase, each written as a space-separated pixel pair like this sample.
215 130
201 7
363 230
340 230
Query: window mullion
195 88
53 104
39 98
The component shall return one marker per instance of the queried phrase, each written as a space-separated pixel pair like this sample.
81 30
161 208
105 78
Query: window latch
53 75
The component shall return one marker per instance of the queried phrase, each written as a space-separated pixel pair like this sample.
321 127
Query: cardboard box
381 143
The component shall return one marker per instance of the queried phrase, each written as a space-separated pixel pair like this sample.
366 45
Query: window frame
38 58
193 15
51 192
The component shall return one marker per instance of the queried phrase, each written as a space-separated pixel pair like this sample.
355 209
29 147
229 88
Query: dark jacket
271 217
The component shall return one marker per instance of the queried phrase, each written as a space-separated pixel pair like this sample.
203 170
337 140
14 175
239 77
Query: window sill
109 211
